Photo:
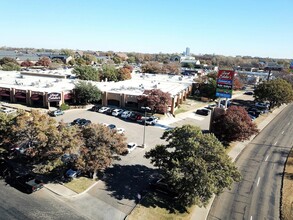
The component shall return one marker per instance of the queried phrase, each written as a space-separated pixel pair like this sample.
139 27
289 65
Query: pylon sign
225 83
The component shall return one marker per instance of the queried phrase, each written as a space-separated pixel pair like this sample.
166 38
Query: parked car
95 108
103 109
84 122
262 104
135 116
56 113
72 173
211 106
8 111
126 114
117 112
111 126
203 111
248 93
131 146
151 120
28 183
109 111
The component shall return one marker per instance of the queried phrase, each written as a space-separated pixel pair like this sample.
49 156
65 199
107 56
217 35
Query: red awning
20 95
4 93
68 96
36 97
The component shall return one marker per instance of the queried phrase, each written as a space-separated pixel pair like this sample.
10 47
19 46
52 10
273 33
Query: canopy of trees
44 61
101 145
194 164
156 99
208 89
48 140
86 73
9 64
85 92
27 63
109 73
234 125
277 92
156 67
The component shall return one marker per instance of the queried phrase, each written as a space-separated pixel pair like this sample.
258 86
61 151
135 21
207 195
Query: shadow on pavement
132 182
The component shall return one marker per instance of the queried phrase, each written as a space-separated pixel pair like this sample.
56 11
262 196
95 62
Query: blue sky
227 27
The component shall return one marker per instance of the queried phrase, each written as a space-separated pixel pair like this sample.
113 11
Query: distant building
187 53
185 58
19 56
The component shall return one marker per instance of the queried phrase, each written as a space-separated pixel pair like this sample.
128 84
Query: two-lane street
257 195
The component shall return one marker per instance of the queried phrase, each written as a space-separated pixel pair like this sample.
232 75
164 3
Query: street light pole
145 110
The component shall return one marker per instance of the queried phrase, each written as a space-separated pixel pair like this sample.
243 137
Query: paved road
39 205
257 196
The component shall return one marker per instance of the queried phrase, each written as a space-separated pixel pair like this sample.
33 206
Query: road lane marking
250 217
288 123
258 181
276 142
283 132
267 158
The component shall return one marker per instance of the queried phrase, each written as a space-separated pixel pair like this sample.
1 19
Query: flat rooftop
46 82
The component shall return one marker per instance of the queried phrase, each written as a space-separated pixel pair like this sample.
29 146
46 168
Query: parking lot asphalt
115 194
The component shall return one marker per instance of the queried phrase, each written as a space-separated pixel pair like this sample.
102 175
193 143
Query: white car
126 114
120 130
117 112
103 109
151 120
131 146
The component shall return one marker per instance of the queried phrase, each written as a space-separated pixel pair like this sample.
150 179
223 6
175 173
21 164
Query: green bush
64 107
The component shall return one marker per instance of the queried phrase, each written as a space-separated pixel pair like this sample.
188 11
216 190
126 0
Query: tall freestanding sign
225 83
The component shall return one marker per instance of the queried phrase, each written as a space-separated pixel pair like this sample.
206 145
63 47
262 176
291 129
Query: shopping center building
51 88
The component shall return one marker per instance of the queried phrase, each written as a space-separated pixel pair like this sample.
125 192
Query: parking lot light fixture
145 111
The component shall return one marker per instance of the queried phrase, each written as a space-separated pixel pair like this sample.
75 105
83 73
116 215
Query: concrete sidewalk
202 213
61 190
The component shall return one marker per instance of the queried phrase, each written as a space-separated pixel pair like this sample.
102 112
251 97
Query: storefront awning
4 93
20 95
36 97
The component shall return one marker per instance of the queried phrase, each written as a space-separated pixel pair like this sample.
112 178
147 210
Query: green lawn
80 184
159 208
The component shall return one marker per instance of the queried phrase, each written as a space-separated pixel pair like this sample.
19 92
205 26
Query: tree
44 61
89 59
10 67
234 125
26 63
171 68
194 164
109 73
86 93
86 73
208 89
36 128
6 60
67 52
101 146
47 141
151 67
124 74
277 92
237 84
80 61
156 99
6 122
